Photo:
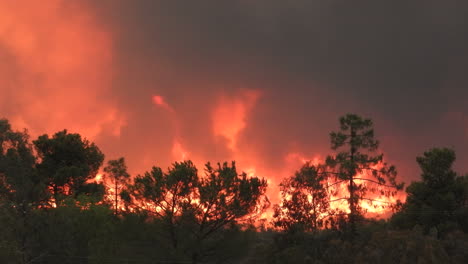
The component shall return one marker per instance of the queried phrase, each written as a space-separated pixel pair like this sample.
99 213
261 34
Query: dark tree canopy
67 162
164 194
21 191
206 205
436 166
304 201
226 196
440 199
180 215
19 181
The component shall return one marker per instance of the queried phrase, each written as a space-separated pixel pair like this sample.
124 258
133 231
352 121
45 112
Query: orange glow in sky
63 67
64 62
230 116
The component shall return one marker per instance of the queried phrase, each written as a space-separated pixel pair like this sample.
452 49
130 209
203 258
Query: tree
67 162
304 201
165 195
71 233
197 208
116 173
356 138
19 182
21 190
440 199
225 197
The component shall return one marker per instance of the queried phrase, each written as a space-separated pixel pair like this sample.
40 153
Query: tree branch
376 182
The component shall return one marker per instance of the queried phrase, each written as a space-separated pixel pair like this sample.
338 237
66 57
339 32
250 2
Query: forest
61 201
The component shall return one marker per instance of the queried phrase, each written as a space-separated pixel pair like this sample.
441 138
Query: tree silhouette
20 183
304 201
197 207
356 139
21 191
66 162
116 173
182 216
165 195
225 197
440 200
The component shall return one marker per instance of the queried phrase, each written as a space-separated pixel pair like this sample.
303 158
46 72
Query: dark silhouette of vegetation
306 197
53 212
438 203
305 202
117 176
67 162
356 139
194 209
21 192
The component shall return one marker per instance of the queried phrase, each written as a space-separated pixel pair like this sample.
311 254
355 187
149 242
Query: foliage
116 174
356 138
375 243
19 182
21 190
307 197
67 162
179 216
440 199
202 207
225 197
304 201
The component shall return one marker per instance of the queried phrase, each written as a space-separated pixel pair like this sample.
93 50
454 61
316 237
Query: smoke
259 82
55 71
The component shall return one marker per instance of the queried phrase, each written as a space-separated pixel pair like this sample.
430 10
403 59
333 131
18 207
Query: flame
63 62
379 207
230 116
376 204
178 151
98 178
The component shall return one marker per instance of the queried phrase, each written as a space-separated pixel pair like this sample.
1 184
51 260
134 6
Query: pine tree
356 158
116 173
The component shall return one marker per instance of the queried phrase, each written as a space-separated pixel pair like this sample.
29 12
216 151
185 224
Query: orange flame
230 117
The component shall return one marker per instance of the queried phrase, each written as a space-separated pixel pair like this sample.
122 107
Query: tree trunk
23 233
352 174
352 207
116 196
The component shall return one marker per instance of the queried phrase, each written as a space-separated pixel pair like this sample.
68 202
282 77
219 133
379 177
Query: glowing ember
98 178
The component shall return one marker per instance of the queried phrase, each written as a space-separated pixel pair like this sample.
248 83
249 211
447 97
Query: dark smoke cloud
401 63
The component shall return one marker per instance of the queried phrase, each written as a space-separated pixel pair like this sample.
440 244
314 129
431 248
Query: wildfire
58 87
230 118
98 178
377 202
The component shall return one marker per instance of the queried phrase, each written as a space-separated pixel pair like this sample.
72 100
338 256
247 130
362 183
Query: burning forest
233 132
